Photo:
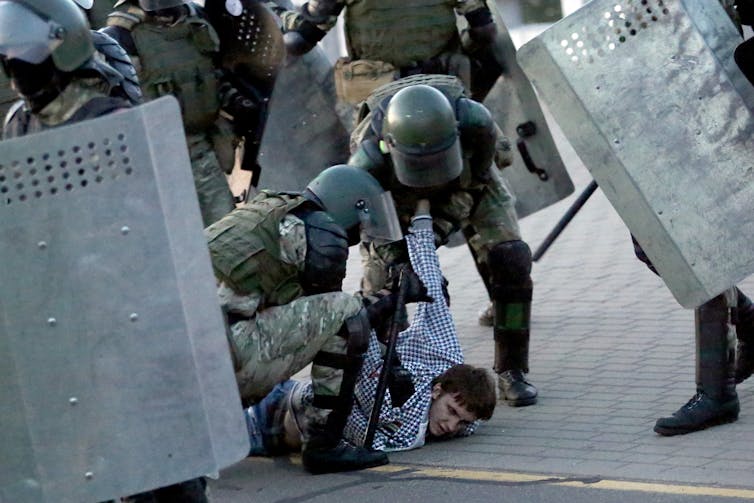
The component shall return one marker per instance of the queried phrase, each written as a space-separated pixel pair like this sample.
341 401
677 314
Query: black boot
515 389
745 335
323 454
326 451
716 401
511 365
699 413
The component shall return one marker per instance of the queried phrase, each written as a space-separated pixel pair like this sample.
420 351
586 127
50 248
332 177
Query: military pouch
355 80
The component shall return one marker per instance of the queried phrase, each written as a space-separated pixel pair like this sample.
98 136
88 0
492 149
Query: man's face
446 416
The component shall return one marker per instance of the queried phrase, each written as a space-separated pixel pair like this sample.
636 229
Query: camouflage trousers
212 190
279 341
493 221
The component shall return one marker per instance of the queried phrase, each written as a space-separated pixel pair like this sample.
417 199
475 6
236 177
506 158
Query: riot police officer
281 260
176 50
423 139
57 75
387 40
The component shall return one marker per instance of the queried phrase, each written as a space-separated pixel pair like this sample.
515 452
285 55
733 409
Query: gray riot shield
538 176
304 134
115 370
650 97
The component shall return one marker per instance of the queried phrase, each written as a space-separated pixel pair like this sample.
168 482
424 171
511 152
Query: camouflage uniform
481 204
175 56
476 202
397 38
258 252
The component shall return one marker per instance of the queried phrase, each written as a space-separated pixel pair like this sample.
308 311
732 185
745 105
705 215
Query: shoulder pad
471 114
116 59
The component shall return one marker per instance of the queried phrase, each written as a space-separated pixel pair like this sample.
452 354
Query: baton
565 220
398 320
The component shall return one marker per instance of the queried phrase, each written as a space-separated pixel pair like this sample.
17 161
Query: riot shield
114 361
304 134
538 176
648 93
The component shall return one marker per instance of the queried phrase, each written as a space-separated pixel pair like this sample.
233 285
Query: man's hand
415 289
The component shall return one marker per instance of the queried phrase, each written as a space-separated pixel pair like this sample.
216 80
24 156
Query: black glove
415 289
296 44
400 383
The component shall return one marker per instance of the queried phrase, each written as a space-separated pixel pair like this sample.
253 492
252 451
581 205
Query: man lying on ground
441 397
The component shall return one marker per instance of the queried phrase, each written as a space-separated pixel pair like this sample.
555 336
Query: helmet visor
26 36
379 220
428 170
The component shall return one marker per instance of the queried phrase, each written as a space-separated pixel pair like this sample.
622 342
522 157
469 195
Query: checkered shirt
427 349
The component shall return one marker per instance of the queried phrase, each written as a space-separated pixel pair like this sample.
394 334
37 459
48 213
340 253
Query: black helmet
33 30
356 201
421 134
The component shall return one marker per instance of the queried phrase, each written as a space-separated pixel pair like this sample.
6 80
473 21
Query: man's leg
715 401
744 321
504 263
328 330
334 373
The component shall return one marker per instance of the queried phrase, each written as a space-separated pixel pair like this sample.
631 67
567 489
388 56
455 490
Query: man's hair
474 387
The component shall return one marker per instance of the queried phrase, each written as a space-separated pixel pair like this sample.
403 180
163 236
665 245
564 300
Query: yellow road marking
607 484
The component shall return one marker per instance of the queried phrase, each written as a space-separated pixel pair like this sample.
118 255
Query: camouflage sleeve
321 14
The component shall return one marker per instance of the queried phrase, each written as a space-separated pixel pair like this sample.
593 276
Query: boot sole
669 432
315 470
521 402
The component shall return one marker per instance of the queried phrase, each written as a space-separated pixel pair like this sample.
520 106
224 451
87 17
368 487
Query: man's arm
305 27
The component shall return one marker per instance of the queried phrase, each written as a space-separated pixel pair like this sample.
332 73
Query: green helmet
33 30
421 133
151 5
357 202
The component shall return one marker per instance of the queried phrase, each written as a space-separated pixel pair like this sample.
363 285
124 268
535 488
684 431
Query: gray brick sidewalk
611 351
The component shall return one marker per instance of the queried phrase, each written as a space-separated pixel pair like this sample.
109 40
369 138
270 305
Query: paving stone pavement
611 351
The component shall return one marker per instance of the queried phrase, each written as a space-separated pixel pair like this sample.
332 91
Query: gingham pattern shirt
427 349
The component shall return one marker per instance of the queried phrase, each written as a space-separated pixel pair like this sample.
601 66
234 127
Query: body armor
400 32
253 228
177 60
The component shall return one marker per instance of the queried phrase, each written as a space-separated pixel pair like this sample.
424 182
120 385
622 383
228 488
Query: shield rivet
89 475
52 322
133 317
42 245
73 400
125 230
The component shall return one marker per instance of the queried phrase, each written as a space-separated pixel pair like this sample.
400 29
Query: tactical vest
449 85
177 59
400 32
245 249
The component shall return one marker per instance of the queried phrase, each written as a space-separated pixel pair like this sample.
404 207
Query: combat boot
325 454
511 364
325 450
745 335
715 401
699 413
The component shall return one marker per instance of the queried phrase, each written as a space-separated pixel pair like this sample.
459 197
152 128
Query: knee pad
509 262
